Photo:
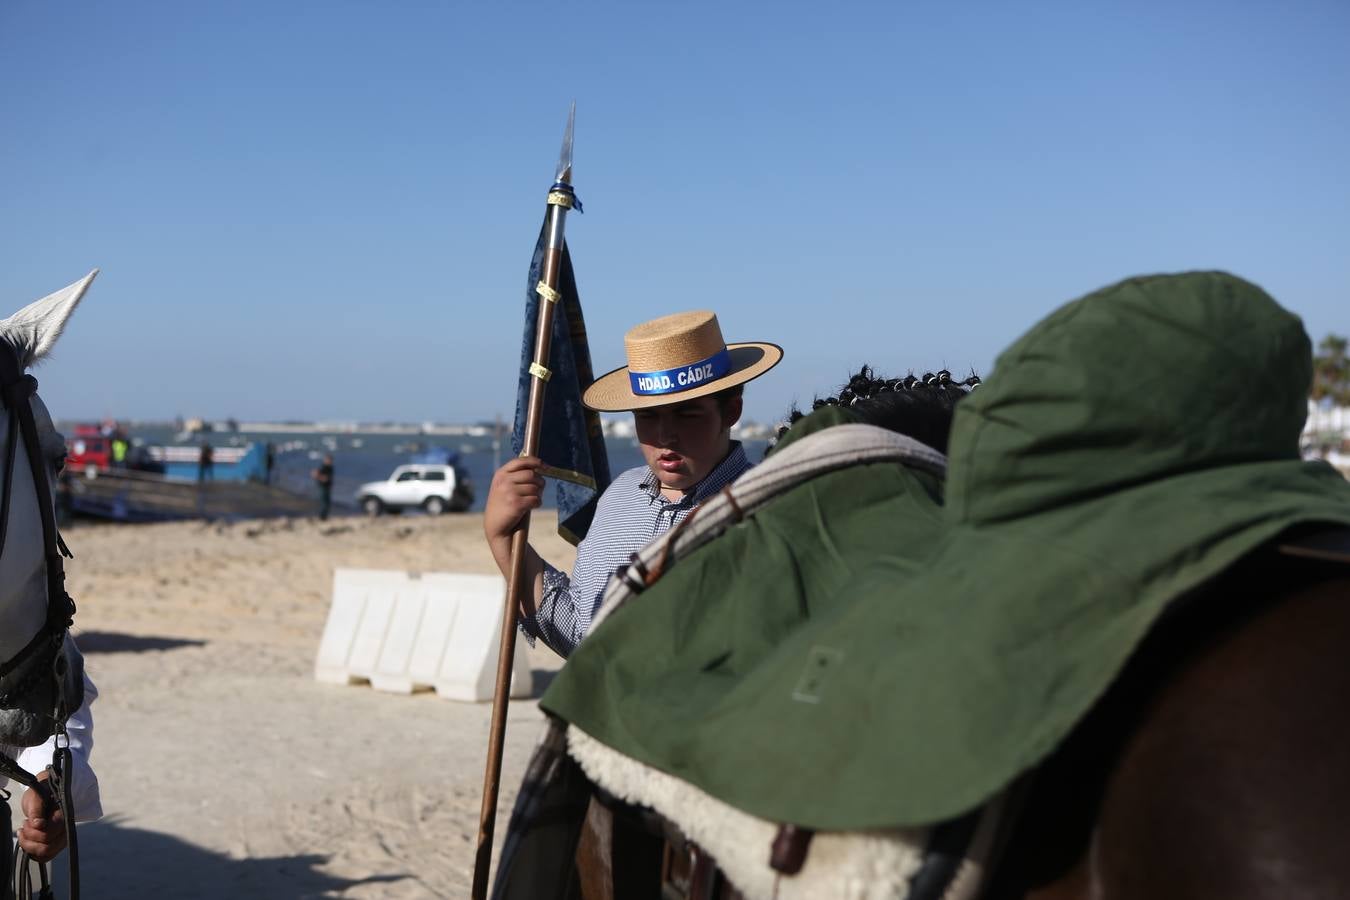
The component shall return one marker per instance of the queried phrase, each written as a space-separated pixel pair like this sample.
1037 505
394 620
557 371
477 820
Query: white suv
434 488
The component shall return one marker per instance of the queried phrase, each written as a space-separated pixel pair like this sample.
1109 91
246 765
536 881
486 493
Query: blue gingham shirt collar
629 515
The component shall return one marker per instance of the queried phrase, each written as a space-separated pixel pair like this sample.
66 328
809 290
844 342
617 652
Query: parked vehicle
434 488
89 455
89 450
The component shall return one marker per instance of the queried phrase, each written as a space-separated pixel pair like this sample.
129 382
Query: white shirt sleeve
84 783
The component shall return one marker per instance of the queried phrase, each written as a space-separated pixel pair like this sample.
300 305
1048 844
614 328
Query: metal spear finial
565 155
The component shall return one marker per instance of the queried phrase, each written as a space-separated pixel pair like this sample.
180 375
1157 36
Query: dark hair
918 406
726 395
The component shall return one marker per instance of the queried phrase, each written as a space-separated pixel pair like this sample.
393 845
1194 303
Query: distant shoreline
613 427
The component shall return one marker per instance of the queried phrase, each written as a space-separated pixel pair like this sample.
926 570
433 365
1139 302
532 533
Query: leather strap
1330 545
814 455
59 776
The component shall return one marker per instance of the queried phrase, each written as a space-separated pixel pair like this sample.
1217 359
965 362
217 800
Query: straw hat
677 358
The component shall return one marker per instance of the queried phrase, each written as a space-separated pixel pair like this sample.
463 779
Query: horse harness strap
16 389
815 455
43 654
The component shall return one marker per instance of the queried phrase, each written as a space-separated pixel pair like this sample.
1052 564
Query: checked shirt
630 514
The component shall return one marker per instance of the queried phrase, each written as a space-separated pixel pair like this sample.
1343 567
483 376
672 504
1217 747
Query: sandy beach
226 770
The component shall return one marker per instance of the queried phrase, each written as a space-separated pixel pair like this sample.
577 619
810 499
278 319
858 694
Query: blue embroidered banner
571 443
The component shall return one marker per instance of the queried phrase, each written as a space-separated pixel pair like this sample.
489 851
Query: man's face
685 441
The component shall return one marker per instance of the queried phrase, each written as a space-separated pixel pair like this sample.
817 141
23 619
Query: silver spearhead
565 155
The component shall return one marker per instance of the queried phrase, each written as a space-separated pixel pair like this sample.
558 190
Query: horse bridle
41 657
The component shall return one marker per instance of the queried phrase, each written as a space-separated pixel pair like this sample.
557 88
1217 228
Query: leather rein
41 657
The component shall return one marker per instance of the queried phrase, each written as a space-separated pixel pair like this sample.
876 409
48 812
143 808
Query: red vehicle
89 450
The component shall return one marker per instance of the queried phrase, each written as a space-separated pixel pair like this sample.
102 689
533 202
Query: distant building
1326 435
618 426
1326 424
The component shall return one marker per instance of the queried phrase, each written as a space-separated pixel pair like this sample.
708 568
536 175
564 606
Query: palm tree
1331 371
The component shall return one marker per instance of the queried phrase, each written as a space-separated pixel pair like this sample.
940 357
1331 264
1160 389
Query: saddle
945 861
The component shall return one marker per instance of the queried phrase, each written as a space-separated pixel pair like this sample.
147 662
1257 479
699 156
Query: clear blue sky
326 209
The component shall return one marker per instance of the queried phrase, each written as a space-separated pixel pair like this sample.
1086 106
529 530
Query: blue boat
247 463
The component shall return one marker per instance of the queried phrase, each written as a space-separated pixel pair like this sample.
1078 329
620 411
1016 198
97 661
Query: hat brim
613 392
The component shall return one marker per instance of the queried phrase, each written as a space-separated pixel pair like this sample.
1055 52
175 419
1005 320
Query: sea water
359 458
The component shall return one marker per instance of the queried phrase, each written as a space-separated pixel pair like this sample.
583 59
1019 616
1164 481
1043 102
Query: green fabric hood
1148 379
1129 448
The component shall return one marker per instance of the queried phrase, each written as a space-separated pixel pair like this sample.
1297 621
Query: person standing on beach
119 449
684 386
205 463
323 477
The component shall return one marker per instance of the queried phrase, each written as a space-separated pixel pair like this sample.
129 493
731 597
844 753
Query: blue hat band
673 381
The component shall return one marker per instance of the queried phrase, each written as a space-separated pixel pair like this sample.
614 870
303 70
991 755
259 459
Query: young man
683 385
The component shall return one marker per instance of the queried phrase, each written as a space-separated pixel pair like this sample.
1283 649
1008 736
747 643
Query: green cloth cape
854 656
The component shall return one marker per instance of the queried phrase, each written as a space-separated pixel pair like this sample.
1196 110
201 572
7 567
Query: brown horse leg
1236 785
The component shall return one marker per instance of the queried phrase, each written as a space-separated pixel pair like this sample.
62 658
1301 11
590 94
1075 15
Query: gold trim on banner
540 372
547 292
571 475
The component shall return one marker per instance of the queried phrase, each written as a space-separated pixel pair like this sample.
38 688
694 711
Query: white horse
29 697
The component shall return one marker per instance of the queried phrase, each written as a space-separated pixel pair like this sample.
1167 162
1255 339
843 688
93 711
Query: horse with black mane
920 406
1096 651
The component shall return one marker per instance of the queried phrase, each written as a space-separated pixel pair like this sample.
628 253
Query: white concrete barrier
405 631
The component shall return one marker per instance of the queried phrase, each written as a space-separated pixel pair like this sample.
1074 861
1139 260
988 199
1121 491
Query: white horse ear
33 330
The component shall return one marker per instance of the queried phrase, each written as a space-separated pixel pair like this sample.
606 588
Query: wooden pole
517 584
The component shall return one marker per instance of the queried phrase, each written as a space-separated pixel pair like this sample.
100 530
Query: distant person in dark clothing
270 460
204 463
323 477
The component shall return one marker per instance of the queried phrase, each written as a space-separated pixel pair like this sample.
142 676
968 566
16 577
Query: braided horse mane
920 406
